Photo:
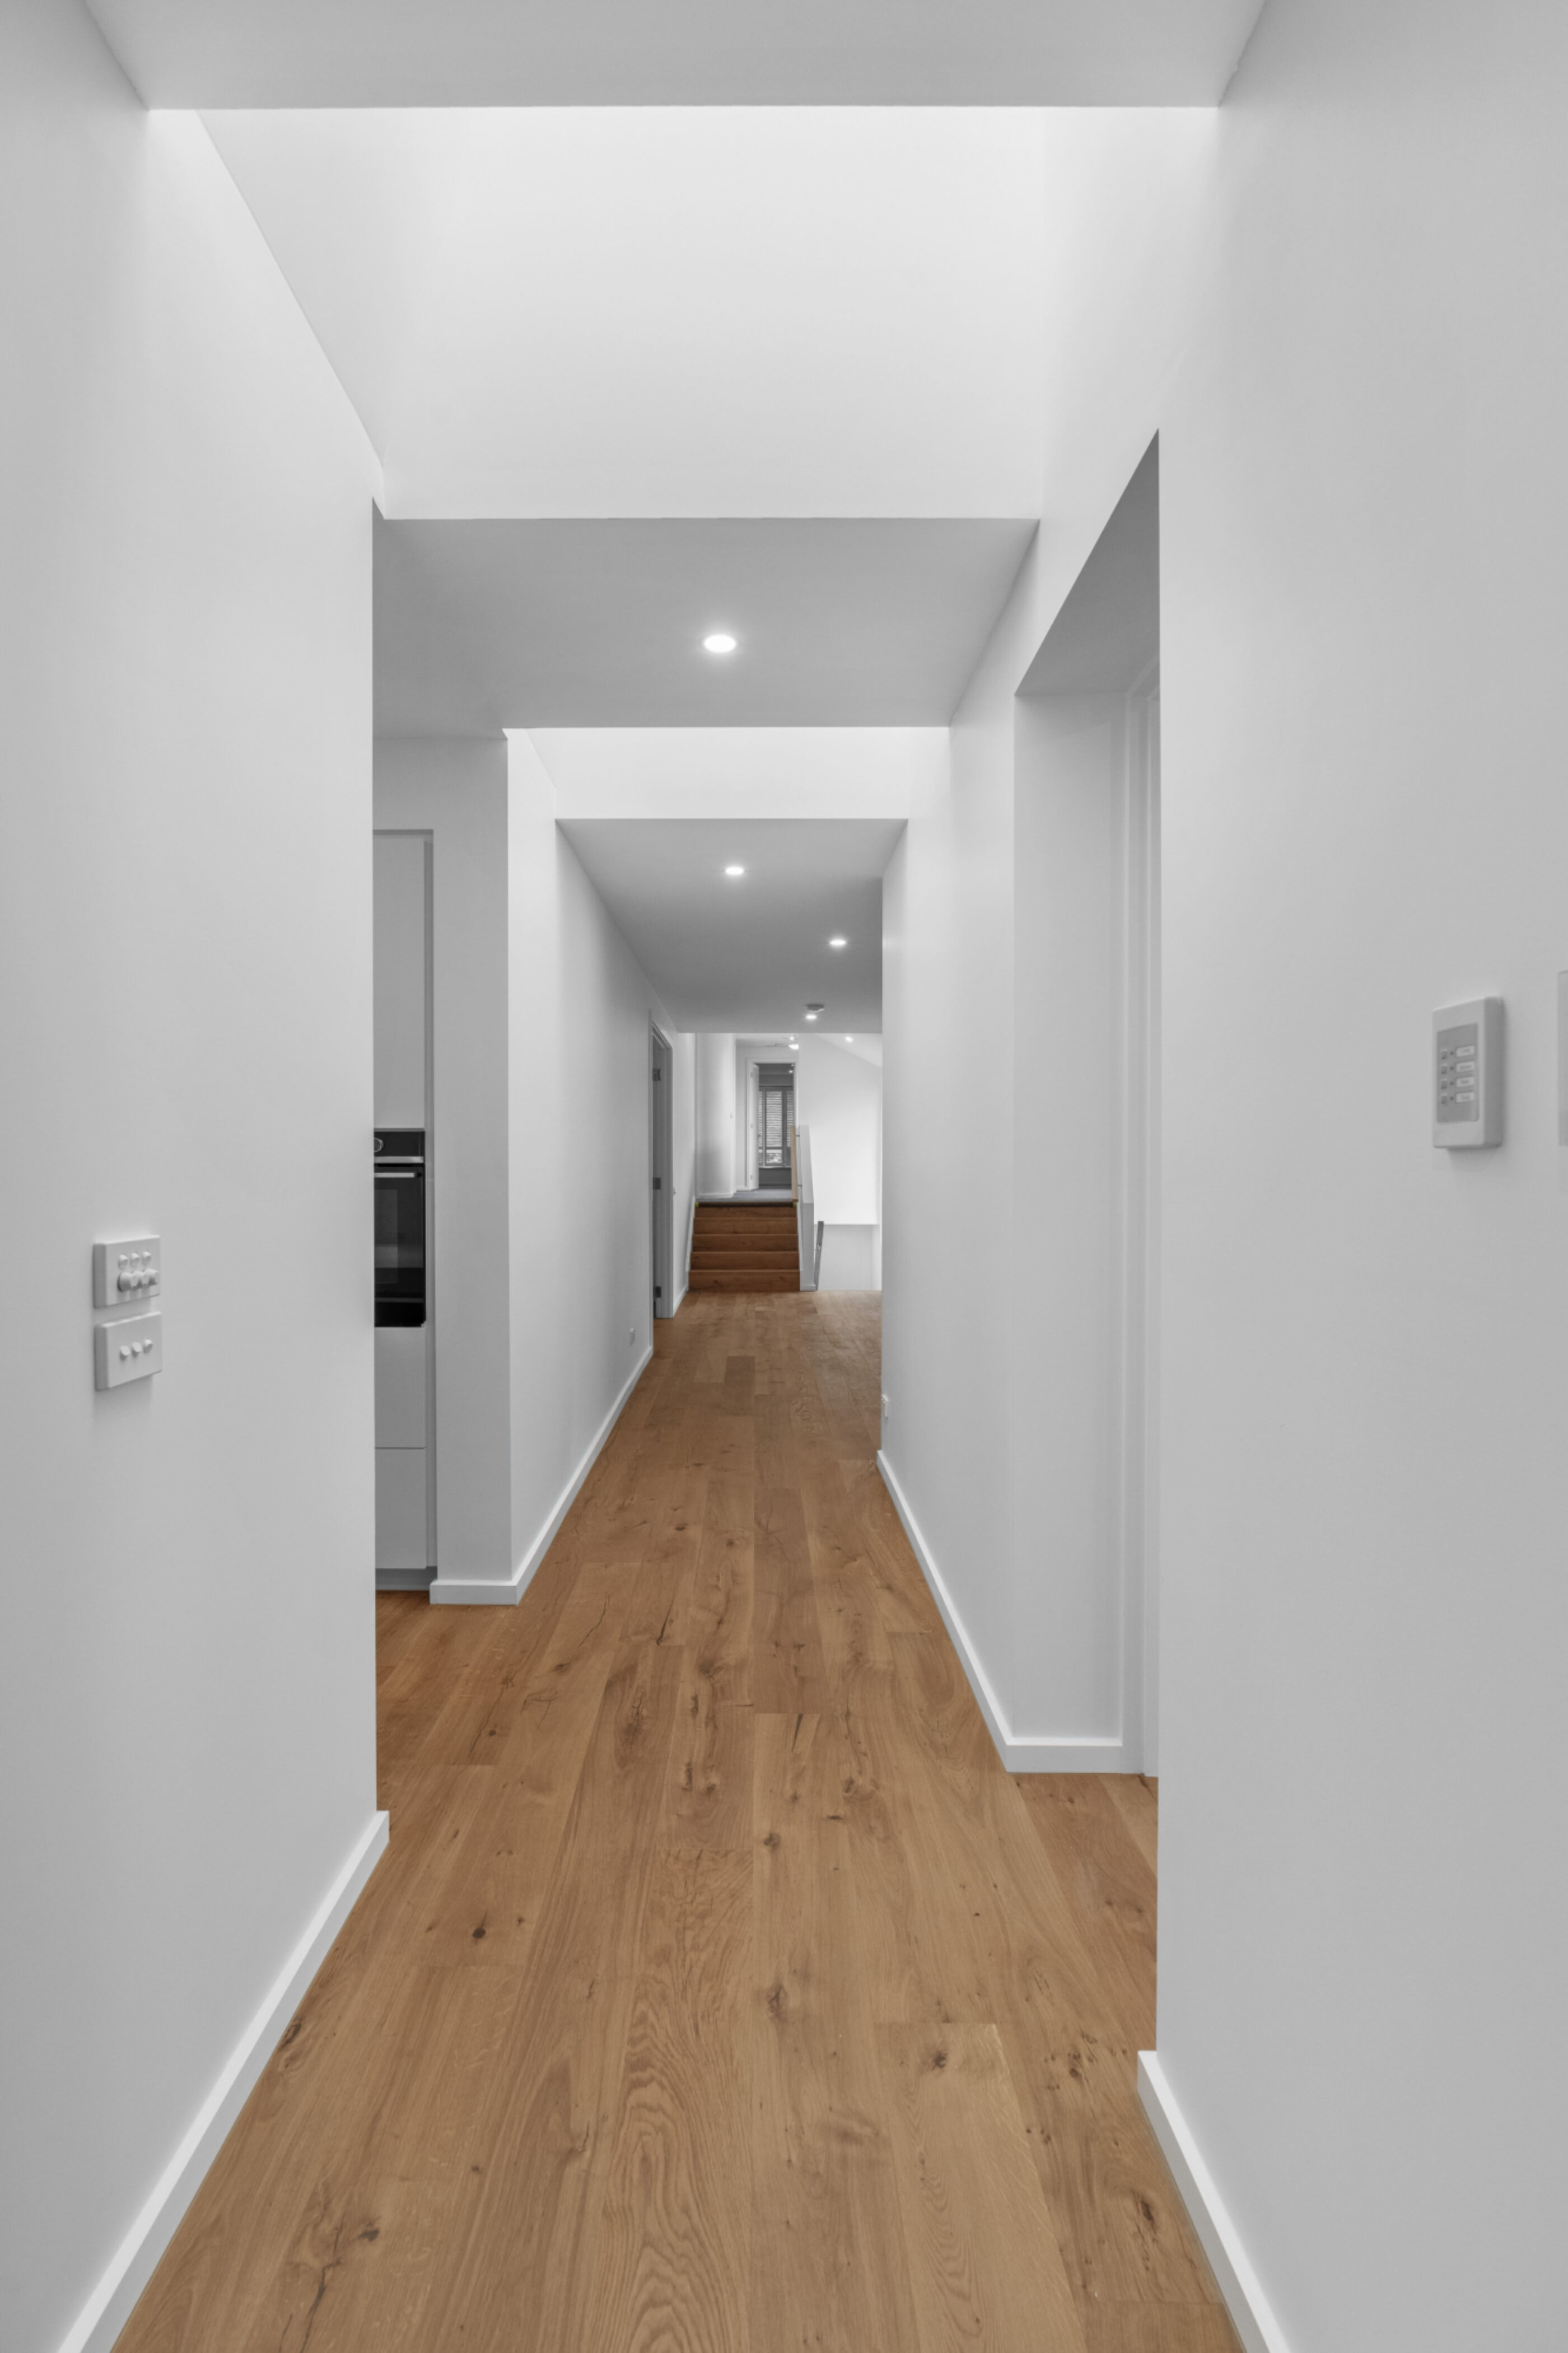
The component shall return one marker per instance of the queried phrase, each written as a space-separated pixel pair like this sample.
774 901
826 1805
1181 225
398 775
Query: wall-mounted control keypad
1466 1074
127 1274
127 1350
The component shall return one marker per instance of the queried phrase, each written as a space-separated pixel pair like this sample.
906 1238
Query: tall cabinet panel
404 1356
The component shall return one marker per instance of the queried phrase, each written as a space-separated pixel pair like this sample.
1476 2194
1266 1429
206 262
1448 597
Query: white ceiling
484 625
655 312
663 52
748 954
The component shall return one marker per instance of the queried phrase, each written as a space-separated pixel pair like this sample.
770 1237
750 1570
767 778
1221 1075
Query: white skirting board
1244 2298
109 2307
1020 1752
476 1590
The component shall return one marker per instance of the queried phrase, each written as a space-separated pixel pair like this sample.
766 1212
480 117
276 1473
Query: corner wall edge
1249 2309
476 1591
1020 1752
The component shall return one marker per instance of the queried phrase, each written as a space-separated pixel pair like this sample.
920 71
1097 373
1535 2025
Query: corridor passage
720 1992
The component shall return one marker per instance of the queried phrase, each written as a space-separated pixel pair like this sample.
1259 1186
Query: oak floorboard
719 1618
1136 1798
1157 2328
720 1991
986 2267
829 2268
666 2261
492 1904
1111 1887
397 1631
511 2283
789 1672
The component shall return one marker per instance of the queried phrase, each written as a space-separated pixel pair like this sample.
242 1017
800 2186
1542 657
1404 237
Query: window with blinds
775 1115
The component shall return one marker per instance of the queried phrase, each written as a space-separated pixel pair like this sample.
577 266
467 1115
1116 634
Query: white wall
184 929
838 1095
849 1260
972 1307
401 924
1076 1625
1363 1901
540 1148
716 1121
738 772
583 1282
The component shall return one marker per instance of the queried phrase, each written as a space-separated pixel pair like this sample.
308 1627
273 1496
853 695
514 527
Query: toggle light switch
127 1350
127 1274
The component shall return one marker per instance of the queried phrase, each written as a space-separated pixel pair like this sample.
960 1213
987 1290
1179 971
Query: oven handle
382 1170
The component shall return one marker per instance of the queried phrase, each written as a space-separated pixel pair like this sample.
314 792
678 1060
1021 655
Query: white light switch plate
127 1350
127 1274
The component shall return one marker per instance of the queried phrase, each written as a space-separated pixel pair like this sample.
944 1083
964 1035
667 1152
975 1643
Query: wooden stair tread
748 1254
743 1278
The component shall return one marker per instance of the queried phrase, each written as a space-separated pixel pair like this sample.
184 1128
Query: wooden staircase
745 1246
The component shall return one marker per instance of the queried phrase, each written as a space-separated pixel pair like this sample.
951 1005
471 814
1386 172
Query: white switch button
126 1274
127 1351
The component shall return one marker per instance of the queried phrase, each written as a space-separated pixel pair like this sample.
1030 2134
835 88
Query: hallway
719 1990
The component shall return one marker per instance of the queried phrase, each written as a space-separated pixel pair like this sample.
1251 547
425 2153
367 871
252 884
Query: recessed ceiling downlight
838 944
719 641
733 872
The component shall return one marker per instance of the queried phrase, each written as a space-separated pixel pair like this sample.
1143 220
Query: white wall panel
1365 477
187 1757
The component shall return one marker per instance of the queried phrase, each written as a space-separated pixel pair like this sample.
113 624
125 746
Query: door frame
660 1171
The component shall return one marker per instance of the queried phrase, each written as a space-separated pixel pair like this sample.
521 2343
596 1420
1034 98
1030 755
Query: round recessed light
719 641
838 944
811 1017
733 870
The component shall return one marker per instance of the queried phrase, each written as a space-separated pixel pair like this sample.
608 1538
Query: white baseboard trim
469 1590
1020 1752
109 2306
1248 2307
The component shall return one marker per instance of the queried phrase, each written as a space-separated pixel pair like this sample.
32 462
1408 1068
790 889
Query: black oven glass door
400 1226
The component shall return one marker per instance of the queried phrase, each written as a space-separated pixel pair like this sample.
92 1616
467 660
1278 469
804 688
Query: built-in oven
400 1225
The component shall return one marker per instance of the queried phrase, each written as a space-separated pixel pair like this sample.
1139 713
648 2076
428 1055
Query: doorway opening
775 1126
1087 972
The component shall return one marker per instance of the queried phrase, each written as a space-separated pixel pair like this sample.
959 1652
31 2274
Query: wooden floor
720 1993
